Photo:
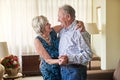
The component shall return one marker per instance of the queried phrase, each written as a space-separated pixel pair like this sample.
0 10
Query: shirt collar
71 26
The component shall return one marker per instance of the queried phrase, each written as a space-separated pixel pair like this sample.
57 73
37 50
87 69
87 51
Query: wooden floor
33 78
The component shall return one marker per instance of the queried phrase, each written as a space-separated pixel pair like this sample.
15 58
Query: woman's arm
57 28
43 53
80 25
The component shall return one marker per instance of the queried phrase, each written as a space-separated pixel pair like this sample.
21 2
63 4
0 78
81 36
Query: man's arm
80 52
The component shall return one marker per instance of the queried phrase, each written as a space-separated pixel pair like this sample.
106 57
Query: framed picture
98 11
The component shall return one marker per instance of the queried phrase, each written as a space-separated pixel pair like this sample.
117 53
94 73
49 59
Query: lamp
3 49
91 28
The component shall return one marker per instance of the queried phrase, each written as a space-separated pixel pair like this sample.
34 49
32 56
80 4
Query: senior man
74 46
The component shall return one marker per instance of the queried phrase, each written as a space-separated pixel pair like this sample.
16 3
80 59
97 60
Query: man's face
62 17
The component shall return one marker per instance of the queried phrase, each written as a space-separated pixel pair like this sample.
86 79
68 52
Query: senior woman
46 44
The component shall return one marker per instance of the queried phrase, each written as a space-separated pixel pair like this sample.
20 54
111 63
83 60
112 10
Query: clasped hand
63 59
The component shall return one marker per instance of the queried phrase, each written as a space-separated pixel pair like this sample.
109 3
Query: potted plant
11 64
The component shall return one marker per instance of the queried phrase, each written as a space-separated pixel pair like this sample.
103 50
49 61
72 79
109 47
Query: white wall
112 33
107 43
97 41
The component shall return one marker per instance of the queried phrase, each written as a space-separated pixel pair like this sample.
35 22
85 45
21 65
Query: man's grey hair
69 10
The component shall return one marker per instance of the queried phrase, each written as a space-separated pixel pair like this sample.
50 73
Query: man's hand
63 60
80 25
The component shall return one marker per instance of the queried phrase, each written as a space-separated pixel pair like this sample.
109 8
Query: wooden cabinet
30 65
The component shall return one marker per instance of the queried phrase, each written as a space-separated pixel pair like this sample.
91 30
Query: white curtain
50 8
16 17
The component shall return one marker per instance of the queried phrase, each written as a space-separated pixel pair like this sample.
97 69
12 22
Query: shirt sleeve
80 52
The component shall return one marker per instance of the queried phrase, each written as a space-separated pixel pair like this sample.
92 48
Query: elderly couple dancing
64 57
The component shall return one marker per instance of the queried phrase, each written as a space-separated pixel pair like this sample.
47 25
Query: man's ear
68 17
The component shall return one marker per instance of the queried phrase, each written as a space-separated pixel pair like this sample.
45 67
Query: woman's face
48 27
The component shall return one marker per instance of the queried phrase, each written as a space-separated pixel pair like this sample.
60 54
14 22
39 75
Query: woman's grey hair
69 10
38 24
